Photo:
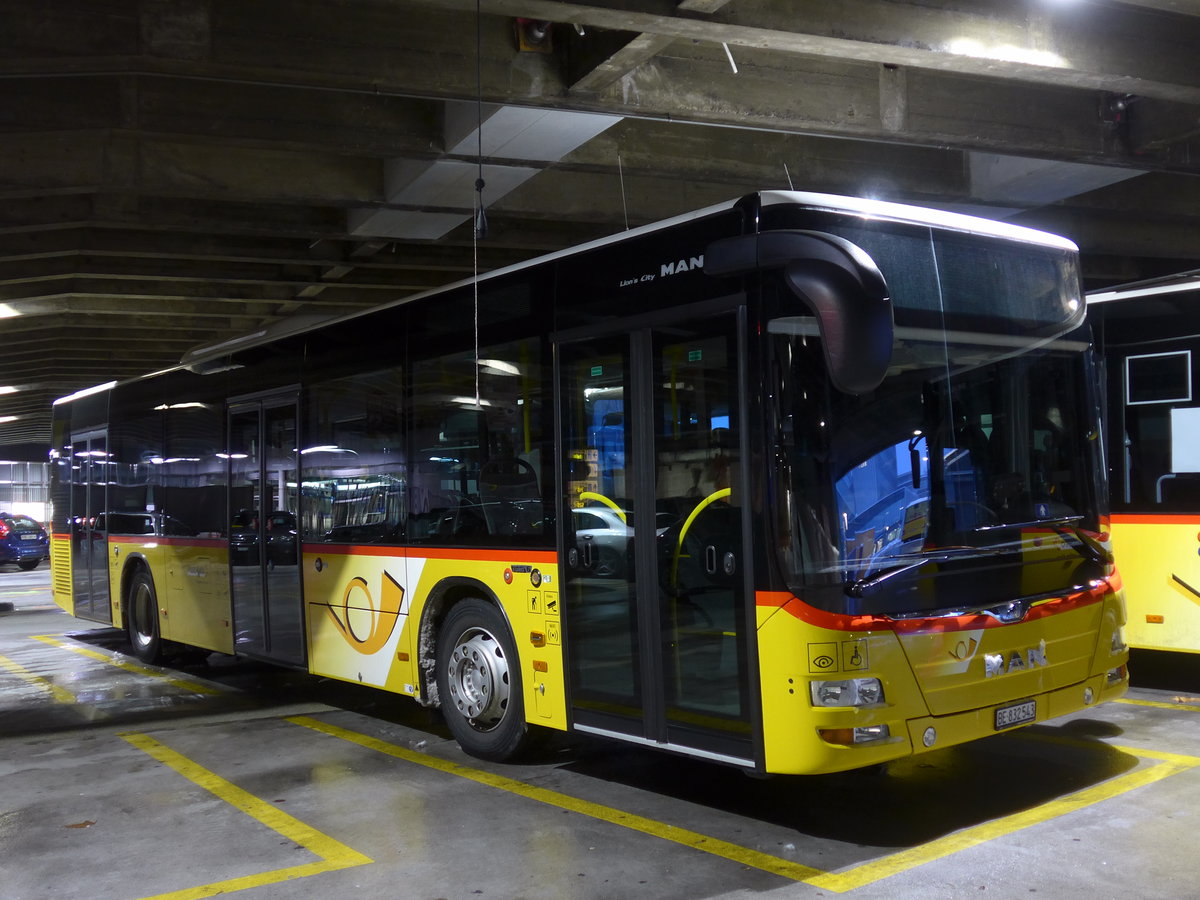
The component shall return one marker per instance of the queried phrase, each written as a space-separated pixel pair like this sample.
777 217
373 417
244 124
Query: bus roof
865 207
919 215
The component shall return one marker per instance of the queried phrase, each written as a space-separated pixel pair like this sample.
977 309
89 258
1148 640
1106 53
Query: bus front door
653 551
89 537
264 552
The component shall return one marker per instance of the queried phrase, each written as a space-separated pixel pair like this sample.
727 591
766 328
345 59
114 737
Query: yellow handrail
592 495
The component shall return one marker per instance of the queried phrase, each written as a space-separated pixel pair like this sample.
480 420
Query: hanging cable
621 176
479 231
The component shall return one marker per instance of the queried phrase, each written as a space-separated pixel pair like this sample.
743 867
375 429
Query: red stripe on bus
542 557
796 607
1154 519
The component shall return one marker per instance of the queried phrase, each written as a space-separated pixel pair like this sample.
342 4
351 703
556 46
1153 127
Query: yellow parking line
60 694
1167 764
333 854
1175 759
715 846
1187 705
187 684
896 863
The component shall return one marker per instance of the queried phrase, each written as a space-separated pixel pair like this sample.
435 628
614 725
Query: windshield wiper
864 587
1049 522
1064 526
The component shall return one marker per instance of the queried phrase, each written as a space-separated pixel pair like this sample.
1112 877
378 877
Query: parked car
604 536
22 541
280 538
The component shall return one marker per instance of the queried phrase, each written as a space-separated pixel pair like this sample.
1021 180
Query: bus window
476 469
355 475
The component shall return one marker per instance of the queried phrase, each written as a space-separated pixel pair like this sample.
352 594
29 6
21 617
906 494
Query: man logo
995 664
683 265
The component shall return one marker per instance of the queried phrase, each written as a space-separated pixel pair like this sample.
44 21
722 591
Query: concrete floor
122 781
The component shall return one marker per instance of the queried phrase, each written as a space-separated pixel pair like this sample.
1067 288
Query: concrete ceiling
177 172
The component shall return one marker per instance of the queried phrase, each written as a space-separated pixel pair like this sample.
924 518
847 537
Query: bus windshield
964 482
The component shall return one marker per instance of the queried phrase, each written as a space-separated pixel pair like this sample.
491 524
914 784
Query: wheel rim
143 610
478 679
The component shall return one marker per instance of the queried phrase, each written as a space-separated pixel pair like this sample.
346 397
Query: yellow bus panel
1159 560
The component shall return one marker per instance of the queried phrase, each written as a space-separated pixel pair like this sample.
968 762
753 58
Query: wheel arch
134 563
437 606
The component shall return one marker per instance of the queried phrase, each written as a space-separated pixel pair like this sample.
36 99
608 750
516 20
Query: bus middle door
653 560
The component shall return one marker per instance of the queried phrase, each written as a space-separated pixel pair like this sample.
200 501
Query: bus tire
479 681
141 618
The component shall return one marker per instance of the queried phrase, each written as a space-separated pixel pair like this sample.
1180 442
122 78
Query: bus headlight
848 692
1118 640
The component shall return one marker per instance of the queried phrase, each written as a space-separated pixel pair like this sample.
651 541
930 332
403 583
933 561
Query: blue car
22 541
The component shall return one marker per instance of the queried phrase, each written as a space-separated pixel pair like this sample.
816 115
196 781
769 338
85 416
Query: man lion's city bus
1150 335
797 483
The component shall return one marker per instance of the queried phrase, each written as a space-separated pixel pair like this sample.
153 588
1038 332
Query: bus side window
476 475
355 471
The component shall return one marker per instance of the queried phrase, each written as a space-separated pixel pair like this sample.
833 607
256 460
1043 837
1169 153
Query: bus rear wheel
141 618
479 682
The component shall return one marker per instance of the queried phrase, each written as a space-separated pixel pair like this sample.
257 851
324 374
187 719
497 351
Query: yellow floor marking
60 694
895 863
333 854
1175 759
743 855
859 876
187 684
1160 704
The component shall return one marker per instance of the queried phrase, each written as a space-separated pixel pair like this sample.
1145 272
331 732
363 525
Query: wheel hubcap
479 682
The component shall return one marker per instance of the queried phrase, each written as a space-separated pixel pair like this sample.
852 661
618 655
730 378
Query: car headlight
848 692
1118 640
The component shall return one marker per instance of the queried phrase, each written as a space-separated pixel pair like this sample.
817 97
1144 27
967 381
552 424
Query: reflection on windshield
967 473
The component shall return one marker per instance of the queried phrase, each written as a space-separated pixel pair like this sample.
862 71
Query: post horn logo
964 650
365 626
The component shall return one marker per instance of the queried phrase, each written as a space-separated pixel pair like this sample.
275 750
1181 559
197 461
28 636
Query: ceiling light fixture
1144 289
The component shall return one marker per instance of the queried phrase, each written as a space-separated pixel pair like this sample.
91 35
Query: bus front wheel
479 682
141 610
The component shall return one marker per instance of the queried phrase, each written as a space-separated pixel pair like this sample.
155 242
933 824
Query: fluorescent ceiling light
1149 290
7 389
8 418
499 367
86 392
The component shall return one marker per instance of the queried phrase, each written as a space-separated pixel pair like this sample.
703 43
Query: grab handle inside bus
838 281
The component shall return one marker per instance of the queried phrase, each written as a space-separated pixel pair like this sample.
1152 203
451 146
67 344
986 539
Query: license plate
29 537
1017 714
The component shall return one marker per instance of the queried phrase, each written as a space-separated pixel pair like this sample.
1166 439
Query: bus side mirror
838 281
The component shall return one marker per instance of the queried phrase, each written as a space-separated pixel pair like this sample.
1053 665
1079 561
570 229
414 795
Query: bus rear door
264 552
89 538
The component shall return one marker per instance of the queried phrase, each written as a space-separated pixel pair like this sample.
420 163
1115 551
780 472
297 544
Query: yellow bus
1150 331
796 483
